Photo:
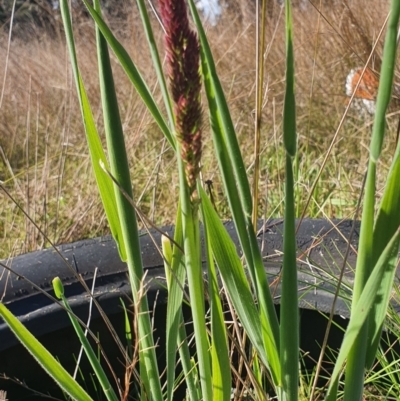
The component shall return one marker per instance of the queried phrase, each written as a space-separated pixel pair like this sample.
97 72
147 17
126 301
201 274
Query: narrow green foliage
237 286
289 317
128 329
221 121
363 308
386 81
387 222
176 276
120 171
388 218
275 346
132 73
156 60
219 339
127 235
364 349
94 361
289 111
289 327
191 241
235 181
66 382
97 154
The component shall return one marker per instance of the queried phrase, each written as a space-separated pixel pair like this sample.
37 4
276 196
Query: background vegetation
47 174
44 161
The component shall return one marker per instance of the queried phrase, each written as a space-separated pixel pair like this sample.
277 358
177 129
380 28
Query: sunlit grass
43 142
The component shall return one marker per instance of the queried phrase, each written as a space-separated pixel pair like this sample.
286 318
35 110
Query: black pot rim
321 244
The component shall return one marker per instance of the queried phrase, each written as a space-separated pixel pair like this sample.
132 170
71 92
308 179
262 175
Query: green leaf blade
96 151
63 379
362 310
238 289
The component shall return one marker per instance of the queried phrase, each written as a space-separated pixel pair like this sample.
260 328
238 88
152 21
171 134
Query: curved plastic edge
321 248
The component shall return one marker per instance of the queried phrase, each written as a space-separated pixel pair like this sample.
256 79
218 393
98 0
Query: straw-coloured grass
44 160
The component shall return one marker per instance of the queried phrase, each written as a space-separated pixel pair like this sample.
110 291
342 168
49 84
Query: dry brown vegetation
44 161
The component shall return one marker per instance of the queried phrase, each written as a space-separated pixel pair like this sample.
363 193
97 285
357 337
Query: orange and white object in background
367 90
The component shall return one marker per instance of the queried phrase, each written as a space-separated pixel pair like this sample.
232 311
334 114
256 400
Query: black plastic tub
321 247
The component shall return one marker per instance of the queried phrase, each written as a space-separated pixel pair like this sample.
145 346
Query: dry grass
44 160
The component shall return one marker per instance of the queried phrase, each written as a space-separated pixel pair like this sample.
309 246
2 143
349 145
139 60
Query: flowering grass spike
183 58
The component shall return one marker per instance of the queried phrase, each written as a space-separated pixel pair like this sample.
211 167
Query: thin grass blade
230 163
220 115
367 256
156 59
192 247
176 276
132 73
235 181
176 333
289 315
221 375
385 81
128 329
388 219
362 310
237 285
94 362
64 380
95 148
128 234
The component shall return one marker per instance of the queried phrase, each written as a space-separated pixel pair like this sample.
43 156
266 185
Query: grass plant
315 167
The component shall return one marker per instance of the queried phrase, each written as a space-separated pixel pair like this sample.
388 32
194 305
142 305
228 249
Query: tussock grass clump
318 153
44 161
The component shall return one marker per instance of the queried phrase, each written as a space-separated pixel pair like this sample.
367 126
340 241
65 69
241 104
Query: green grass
48 181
